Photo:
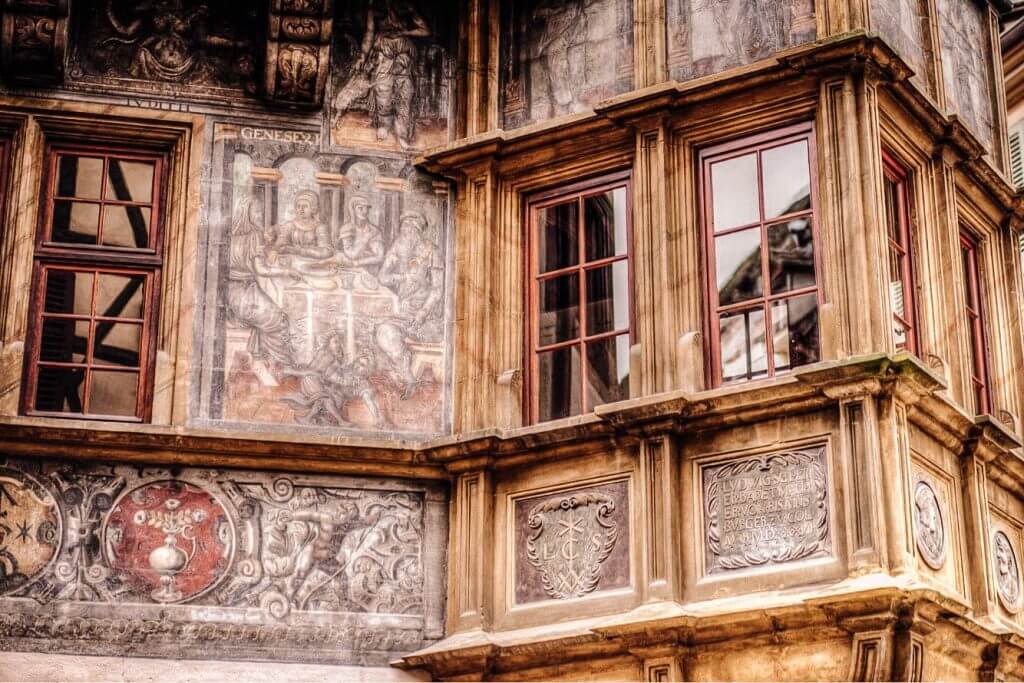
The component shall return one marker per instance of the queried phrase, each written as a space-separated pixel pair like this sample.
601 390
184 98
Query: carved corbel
298 51
34 40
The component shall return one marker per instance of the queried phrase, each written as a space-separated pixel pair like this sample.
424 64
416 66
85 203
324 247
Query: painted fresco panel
232 565
328 289
200 50
709 36
966 65
905 25
391 82
563 56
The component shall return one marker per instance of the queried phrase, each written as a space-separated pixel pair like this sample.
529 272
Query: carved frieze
298 51
572 543
1007 570
766 510
34 40
95 557
929 524
328 301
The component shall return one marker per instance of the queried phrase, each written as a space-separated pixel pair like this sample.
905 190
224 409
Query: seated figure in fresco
331 380
413 269
248 305
360 243
563 26
385 70
304 235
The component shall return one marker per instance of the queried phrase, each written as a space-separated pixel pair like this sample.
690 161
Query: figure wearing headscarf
305 234
249 306
360 242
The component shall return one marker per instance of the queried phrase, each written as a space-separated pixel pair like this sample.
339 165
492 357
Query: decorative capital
298 51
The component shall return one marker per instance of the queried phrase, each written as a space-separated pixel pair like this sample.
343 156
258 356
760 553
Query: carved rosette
929 525
767 509
34 40
1007 570
570 539
298 51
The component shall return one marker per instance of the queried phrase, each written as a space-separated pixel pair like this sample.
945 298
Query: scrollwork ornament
929 525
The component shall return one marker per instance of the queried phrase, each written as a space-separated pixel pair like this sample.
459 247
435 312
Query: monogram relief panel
906 27
206 563
572 544
328 289
562 56
964 44
709 36
200 50
766 510
392 77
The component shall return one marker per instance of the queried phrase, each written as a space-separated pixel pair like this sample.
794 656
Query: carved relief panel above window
906 26
561 57
965 50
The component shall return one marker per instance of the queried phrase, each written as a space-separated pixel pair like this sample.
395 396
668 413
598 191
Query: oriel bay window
579 298
974 307
758 212
901 273
95 281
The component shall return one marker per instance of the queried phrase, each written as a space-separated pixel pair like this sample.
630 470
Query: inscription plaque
767 509
570 544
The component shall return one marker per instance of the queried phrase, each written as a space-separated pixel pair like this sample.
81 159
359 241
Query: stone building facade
509 340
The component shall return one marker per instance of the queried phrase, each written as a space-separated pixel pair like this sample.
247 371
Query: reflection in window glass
64 341
738 266
897 221
125 226
791 255
79 177
113 393
608 298
559 309
734 192
795 331
75 222
68 291
60 390
120 295
130 181
608 370
558 237
743 350
118 344
559 383
605 224
787 182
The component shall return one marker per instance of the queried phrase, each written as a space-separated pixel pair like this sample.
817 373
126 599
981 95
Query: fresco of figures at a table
327 290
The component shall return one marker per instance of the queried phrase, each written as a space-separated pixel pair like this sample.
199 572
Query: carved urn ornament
930 529
1007 571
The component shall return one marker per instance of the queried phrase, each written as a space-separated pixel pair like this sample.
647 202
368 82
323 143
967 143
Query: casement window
579 296
901 271
95 280
974 307
760 237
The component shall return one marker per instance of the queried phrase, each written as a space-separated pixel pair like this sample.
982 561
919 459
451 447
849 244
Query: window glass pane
558 236
63 341
558 383
795 331
787 183
67 291
117 344
130 181
899 333
120 296
60 389
113 393
734 192
605 224
742 343
75 222
125 226
559 318
79 176
608 370
791 255
738 266
608 298
892 211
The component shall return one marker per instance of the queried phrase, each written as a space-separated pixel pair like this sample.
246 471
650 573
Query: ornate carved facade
509 340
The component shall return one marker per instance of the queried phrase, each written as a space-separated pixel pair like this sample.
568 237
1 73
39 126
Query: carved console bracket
34 40
298 51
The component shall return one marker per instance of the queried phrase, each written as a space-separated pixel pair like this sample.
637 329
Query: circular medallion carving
930 526
170 540
1007 571
30 529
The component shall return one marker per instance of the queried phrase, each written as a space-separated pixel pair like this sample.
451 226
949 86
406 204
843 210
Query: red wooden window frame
974 309
902 250
54 256
532 348
758 144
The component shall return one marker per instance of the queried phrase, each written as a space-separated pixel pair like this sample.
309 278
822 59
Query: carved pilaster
298 51
34 40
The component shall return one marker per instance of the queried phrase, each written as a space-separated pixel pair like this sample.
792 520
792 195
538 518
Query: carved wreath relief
351 562
767 509
1007 572
929 525
574 543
